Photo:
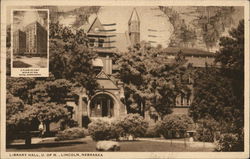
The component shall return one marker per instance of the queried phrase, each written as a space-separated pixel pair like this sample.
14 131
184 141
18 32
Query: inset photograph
30 38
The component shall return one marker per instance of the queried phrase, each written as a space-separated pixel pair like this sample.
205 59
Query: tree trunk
28 140
47 128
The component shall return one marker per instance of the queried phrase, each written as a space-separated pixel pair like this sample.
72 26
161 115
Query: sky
121 14
149 18
23 18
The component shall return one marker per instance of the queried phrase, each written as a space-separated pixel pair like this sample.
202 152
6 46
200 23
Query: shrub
231 141
207 129
72 123
152 131
100 130
175 125
133 124
71 133
228 142
69 123
116 130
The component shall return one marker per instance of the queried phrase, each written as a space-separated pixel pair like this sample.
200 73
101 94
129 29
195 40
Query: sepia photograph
29 41
125 78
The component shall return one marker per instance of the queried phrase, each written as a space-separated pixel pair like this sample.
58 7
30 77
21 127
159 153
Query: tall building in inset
36 39
134 28
19 42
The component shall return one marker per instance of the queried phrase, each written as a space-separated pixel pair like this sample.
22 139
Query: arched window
102 105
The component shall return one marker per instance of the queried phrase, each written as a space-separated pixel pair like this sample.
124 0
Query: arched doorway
102 105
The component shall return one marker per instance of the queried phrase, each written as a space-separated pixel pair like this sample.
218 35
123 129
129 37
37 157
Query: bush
68 123
228 142
152 131
100 130
134 125
207 129
71 133
175 125
116 130
231 141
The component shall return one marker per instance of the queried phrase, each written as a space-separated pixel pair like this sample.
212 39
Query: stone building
19 42
107 102
36 39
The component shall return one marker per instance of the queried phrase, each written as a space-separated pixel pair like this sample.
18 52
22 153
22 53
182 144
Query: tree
56 91
50 112
183 34
212 21
20 87
151 79
19 117
213 95
49 100
231 58
219 91
206 26
70 57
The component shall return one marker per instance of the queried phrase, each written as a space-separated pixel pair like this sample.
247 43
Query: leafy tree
19 117
13 105
212 21
50 112
212 95
49 100
20 87
219 92
207 23
44 99
52 91
183 34
231 58
70 57
151 79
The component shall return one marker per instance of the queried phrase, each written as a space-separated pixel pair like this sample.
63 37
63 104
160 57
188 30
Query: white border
244 3
44 72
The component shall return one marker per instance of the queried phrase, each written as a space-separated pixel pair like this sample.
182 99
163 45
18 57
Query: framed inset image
29 43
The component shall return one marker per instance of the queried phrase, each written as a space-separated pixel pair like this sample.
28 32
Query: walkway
181 141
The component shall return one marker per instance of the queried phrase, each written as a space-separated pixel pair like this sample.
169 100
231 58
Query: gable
96 26
105 81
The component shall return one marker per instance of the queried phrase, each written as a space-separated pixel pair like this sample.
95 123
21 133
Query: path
191 144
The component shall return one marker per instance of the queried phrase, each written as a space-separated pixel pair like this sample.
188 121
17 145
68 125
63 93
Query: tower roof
134 16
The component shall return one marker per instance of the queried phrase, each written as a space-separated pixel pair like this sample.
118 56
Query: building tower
134 28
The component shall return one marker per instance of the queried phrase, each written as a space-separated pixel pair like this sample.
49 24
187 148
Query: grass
20 64
88 145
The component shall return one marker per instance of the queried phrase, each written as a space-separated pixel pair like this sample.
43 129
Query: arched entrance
102 105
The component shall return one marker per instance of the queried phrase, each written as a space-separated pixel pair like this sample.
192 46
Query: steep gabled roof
134 16
96 23
105 81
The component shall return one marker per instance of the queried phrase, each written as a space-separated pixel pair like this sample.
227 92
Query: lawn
87 145
20 64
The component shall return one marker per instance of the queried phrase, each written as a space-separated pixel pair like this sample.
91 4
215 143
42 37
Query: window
188 100
100 42
91 42
182 100
102 105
